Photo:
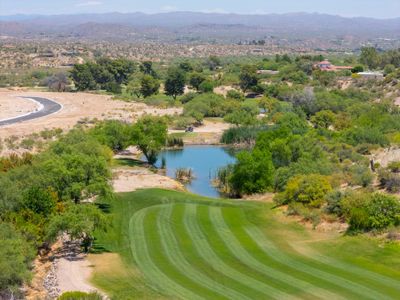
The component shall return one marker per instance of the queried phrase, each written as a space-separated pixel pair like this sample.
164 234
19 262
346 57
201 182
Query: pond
204 162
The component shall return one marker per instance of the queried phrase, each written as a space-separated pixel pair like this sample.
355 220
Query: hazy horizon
384 9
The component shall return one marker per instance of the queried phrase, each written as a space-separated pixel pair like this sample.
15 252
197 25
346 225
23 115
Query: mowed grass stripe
230 259
196 259
231 216
200 240
375 277
174 254
140 252
233 244
159 257
271 249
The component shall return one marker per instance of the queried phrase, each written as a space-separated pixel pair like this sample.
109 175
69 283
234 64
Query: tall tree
370 57
150 135
149 85
175 82
248 77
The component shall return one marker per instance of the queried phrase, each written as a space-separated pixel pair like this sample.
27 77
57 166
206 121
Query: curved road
48 107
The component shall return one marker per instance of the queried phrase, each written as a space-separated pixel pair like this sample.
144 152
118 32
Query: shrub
394 166
389 181
361 175
27 143
307 189
383 211
366 212
80 296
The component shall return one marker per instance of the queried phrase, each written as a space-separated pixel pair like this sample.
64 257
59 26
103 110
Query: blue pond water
203 160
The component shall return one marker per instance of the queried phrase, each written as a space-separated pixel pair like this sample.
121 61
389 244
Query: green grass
179 245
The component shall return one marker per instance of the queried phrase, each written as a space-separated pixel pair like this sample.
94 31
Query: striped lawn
204 250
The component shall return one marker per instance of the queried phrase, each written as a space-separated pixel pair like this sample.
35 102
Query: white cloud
169 8
88 3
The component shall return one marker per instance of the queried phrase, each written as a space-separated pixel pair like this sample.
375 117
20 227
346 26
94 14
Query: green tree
113 133
82 77
196 79
370 57
252 173
39 201
149 85
175 82
147 68
15 256
248 77
150 135
207 86
134 86
213 62
79 221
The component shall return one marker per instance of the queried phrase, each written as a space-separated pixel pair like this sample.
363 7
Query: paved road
49 107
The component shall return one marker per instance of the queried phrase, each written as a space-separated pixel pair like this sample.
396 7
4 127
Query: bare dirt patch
126 179
76 107
223 90
209 133
11 107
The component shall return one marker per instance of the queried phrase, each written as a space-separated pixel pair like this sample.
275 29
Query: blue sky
367 8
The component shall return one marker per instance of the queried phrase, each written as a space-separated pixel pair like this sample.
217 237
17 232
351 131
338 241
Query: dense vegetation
48 194
308 136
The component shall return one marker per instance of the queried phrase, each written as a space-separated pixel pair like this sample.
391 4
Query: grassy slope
181 245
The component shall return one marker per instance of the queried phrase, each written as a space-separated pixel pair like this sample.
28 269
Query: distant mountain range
192 26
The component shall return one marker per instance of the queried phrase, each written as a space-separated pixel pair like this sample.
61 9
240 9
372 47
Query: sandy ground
11 107
126 179
76 107
223 89
74 274
208 134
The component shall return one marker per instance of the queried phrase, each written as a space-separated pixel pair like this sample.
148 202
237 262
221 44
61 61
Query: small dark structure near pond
189 129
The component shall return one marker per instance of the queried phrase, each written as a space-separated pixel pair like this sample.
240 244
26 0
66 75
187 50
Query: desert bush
27 143
309 190
389 181
366 211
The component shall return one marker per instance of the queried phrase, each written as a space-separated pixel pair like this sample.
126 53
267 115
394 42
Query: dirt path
74 274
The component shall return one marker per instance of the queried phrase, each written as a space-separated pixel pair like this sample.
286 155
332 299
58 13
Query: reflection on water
203 160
